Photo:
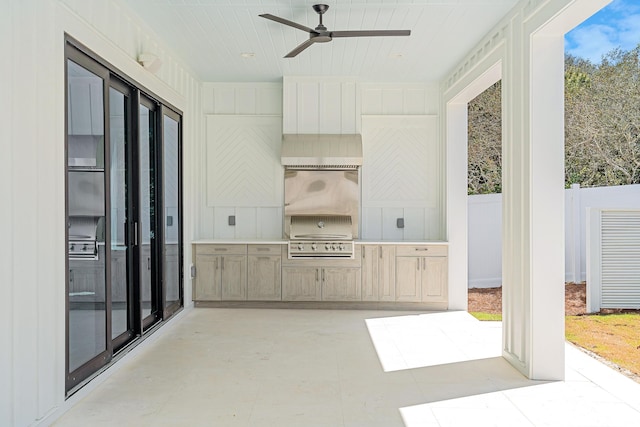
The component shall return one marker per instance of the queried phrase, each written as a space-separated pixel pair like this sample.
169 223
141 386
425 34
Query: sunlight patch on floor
417 341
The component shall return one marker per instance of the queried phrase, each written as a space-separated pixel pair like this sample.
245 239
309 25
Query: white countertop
284 242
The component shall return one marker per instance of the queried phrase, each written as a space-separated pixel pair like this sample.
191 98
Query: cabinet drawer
421 250
265 249
221 249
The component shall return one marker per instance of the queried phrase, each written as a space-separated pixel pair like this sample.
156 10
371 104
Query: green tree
485 142
602 125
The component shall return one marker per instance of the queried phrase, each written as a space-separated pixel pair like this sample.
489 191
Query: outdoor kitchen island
384 275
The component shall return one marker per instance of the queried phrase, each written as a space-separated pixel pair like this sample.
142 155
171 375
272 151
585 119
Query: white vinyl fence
485 230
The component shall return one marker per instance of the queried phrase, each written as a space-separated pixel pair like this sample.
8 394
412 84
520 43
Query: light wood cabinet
264 273
341 284
378 273
207 278
421 273
408 279
321 284
221 272
301 284
234 277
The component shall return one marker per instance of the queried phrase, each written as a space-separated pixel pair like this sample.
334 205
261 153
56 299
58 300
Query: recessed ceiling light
248 55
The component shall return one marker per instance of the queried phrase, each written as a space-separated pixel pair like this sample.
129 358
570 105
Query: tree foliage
602 125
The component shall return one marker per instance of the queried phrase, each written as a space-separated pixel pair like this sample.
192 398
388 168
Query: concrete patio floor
252 367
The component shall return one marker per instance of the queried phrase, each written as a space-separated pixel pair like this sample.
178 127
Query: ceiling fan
321 35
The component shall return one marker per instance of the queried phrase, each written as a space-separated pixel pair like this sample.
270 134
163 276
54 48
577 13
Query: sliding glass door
171 217
123 203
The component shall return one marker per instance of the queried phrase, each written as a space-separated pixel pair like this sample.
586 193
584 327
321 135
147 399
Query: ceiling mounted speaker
149 62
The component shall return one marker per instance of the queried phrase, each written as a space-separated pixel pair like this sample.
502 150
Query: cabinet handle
216 263
424 263
323 274
220 249
364 251
418 264
135 233
316 274
422 249
148 263
262 249
222 260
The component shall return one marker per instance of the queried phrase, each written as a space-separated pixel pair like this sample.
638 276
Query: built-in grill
321 236
321 194
83 238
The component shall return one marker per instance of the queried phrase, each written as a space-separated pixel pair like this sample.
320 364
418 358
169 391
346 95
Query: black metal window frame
114 78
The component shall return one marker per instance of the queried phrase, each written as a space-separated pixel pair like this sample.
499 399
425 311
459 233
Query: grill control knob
333 247
341 247
84 248
72 247
327 247
314 247
300 246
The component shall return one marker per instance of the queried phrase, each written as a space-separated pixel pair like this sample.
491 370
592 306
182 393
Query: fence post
575 233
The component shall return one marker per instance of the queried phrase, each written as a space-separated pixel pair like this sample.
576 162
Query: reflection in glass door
171 204
146 222
123 204
122 309
87 301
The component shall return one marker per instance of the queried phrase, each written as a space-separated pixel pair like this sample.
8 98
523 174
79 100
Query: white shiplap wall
402 166
401 178
32 256
240 160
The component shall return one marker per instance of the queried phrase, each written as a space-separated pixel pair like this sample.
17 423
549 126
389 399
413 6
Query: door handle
135 233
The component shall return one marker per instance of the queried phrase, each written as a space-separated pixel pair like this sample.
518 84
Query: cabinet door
234 277
301 284
387 273
207 278
341 284
434 279
264 281
370 273
408 279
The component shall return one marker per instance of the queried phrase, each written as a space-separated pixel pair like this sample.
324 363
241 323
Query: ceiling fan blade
370 33
300 48
287 22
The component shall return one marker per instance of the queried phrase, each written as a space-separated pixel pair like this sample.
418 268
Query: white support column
457 222
533 227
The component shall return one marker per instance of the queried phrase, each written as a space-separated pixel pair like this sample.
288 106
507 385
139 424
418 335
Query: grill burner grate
317 236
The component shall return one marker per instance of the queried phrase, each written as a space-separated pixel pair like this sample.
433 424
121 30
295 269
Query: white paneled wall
399 99
32 180
320 105
401 178
240 156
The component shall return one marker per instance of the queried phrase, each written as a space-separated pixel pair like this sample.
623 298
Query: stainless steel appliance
86 212
321 194
321 236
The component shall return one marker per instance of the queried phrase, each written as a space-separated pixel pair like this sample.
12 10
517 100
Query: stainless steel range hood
321 151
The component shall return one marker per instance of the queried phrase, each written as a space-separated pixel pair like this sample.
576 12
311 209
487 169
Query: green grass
486 316
615 337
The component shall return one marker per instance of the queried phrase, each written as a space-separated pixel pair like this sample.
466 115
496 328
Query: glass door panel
87 285
146 221
121 306
171 203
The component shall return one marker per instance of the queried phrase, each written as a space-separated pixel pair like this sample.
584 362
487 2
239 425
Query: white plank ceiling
210 36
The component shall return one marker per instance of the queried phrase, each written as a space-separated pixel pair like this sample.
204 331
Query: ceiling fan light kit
321 35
